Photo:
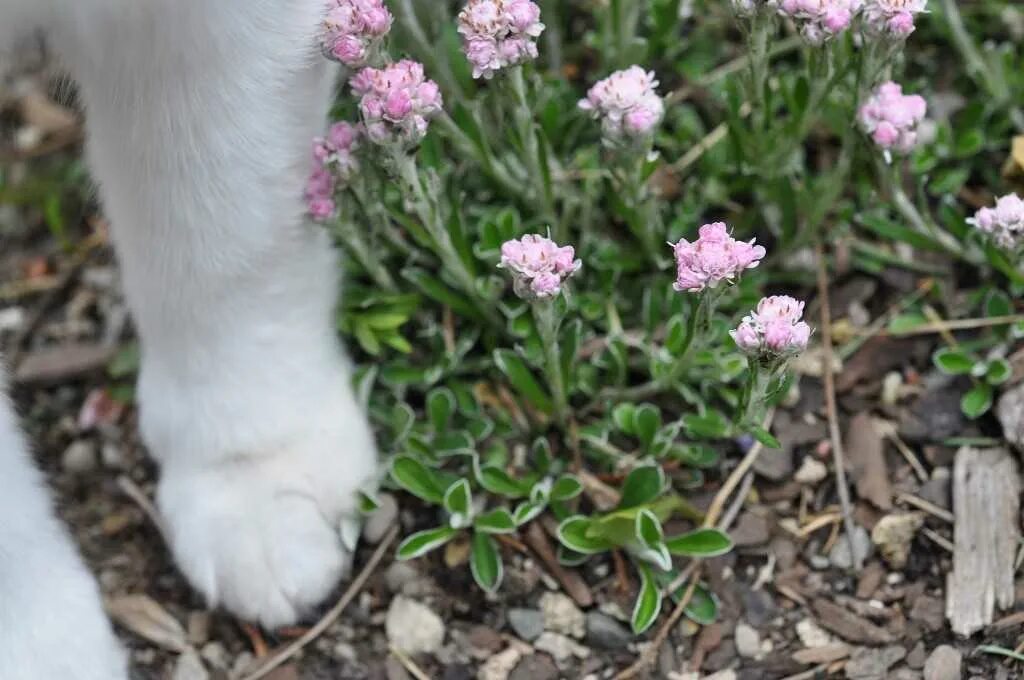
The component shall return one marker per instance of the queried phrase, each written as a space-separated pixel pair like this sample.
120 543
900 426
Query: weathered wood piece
986 504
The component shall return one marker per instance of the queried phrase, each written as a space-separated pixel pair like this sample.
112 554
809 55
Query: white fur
200 115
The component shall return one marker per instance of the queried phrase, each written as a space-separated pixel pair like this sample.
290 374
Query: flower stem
545 315
355 243
538 168
701 308
755 393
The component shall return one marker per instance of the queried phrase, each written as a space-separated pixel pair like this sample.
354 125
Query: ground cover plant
594 248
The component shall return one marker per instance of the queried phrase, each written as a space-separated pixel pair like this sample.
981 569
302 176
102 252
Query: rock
871 663
535 667
561 615
848 625
775 464
394 670
917 656
189 667
499 666
893 535
936 415
840 556
811 471
937 489
825 654
812 635
943 664
748 641
403 578
79 458
930 612
759 607
560 647
215 655
413 627
865 448
381 519
604 632
751 529
527 624
870 579
1010 411
484 641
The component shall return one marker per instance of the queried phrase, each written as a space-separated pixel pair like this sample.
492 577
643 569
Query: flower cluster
353 29
499 33
334 164
538 265
396 102
891 18
626 103
774 330
819 20
892 118
1004 223
714 257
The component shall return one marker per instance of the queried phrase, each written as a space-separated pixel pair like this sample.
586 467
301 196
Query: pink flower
819 20
499 33
335 163
774 330
321 209
891 117
891 18
352 30
714 257
627 104
396 102
538 265
1004 223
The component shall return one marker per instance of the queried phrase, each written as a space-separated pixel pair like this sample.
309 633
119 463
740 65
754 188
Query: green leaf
498 481
440 407
417 479
977 401
571 558
696 455
642 486
485 562
765 437
574 533
458 499
711 425
647 421
998 371
437 290
367 503
423 542
566 488
952 361
648 601
998 304
526 511
905 323
702 607
497 521
700 543
648 529
522 379
623 416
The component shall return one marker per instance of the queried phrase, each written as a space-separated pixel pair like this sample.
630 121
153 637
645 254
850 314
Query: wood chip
848 625
143 616
986 504
819 655
865 447
56 364
573 583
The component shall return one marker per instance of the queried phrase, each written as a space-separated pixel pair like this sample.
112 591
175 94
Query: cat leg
52 624
199 126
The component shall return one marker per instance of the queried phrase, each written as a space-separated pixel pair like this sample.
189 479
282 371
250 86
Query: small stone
811 471
112 456
189 667
11 319
535 667
605 632
402 577
198 627
484 641
215 655
499 666
917 656
79 458
561 615
381 519
871 663
930 612
937 489
893 535
811 634
560 647
1010 412
527 624
750 530
748 641
943 664
840 556
394 670
413 627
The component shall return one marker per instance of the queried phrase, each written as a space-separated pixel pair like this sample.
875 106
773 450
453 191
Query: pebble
872 663
750 530
499 666
534 667
560 647
402 577
381 519
840 557
811 634
893 535
11 319
605 632
413 627
561 615
930 612
943 664
216 655
527 624
811 471
79 458
748 642
189 667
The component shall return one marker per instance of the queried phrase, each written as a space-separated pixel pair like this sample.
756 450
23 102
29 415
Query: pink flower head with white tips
714 257
538 265
774 329
499 33
891 18
1003 223
353 29
396 102
819 20
627 104
892 118
335 163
